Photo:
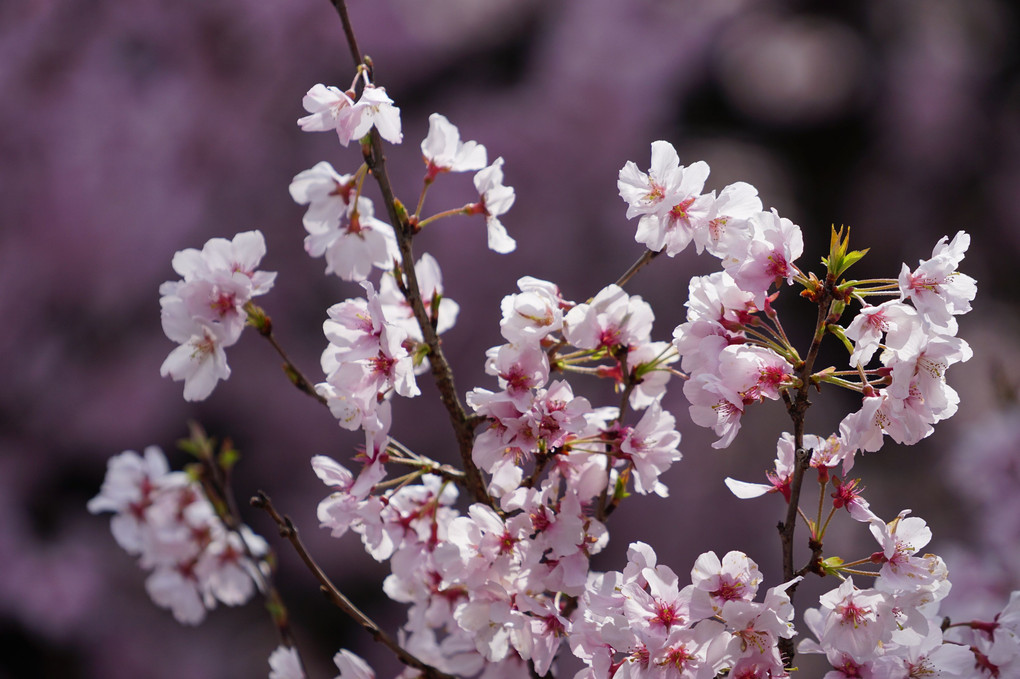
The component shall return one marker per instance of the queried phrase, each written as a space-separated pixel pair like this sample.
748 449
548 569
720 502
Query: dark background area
131 130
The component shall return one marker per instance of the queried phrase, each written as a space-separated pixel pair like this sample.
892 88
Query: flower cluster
493 560
340 226
331 108
205 312
165 519
641 622
533 420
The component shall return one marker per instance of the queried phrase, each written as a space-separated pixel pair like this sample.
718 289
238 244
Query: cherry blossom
165 519
499 583
330 108
936 288
443 150
532 314
284 663
770 255
205 312
734 578
668 199
351 666
397 310
341 225
612 318
496 199
855 621
651 446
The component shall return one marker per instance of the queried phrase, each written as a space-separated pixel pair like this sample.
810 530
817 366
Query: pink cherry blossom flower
205 312
397 310
728 229
325 104
755 373
900 539
655 611
699 653
651 446
735 578
242 254
333 109
352 666
770 255
443 150
648 194
862 430
130 487
327 195
928 658
853 621
716 405
373 109
200 360
520 369
496 199
936 288
176 587
920 364
225 570
533 313
284 663
871 323
366 356
668 199
758 627
546 631
342 228
613 318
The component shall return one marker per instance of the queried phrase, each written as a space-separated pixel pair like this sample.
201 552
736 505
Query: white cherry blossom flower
284 663
443 150
496 199
936 288
330 108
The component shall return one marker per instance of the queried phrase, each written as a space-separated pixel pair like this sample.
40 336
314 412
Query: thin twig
297 377
289 531
797 407
258 318
463 424
352 41
215 483
648 256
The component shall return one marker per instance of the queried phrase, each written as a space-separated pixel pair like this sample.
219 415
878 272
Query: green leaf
840 257
832 565
228 458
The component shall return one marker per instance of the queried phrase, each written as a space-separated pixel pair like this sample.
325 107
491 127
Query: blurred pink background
130 130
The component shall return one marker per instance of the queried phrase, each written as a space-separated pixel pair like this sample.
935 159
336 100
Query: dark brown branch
215 483
289 531
260 321
296 376
463 424
352 41
648 256
797 407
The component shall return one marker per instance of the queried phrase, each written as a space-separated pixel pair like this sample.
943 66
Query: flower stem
289 531
648 256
